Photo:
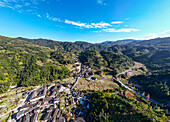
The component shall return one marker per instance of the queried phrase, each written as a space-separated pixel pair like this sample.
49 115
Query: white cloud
38 15
120 30
100 25
47 15
151 36
97 31
17 4
127 18
106 27
101 2
56 19
29 10
35 2
27 4
156 35
75 23
91 25
31 6
109 30
166 32
2 4
6 4
20 11
117 22
53 19
163 36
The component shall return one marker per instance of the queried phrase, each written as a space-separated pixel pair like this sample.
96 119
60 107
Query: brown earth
130 94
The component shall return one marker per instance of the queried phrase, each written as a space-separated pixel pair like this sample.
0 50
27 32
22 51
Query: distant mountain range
67 46
18 58
159 43
118 42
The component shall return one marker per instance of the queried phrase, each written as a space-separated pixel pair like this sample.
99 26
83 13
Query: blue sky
85 20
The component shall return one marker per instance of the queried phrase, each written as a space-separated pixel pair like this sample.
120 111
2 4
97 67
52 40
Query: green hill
159 43
153 53
108 107
156 82
92 58
115 61
24 64
77 46
118 42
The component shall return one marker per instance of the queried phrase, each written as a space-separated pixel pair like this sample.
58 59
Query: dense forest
115 61
153 58
159 43
157 62
153 53
53 55
154 85
107 107
26 64
92 58
118 42
75 47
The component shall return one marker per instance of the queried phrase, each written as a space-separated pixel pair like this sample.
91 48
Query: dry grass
130 94
138 64
98 85
134 71
67 80
39 63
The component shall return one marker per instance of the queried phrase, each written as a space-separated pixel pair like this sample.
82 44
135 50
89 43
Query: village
50 103
53 102
61 102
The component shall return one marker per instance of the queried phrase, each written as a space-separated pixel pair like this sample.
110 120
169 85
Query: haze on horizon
86 20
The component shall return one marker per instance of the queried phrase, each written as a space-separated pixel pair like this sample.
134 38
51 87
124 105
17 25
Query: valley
65 83
84 61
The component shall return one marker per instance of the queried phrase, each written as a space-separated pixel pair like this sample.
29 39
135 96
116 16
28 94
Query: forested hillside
159 43
153 53
118 42
107 107
156 82
115 61
24 64
76 47
154 59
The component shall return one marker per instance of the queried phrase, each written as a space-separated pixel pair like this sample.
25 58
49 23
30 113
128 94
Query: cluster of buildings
83 71
87 73
51 103
77 67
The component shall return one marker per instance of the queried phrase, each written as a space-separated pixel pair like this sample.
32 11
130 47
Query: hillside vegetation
110 107
156 81
31 62
154 54
25 64
159 43
115 61
118 42
76 47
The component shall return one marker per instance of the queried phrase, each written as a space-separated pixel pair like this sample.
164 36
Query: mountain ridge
118 42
